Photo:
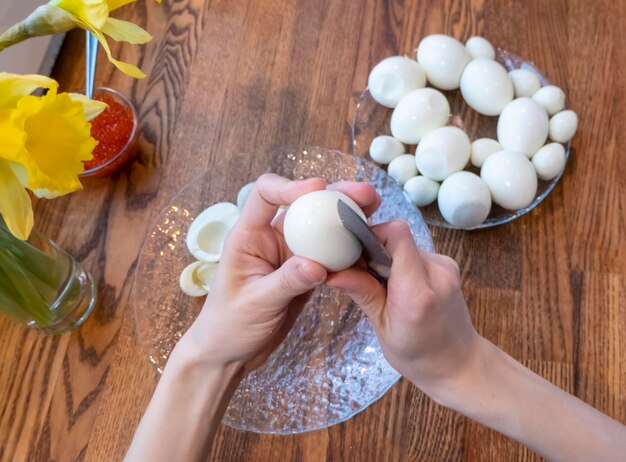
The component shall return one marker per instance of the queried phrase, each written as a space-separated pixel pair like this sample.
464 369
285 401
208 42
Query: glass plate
372 119
330 367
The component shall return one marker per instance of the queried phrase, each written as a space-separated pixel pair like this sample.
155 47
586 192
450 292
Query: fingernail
312 272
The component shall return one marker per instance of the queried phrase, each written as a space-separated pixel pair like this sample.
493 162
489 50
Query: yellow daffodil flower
93 15
43 143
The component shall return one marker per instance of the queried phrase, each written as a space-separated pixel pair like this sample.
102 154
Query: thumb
364 290
295 277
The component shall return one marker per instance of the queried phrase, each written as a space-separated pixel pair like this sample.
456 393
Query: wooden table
227 76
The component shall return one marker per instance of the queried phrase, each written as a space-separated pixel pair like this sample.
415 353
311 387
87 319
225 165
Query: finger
295 277
364 194
269 193
407 259
363 289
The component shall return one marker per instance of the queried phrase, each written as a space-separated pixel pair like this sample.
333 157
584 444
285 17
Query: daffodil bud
45 20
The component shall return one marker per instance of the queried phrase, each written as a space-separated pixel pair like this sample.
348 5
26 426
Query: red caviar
112 129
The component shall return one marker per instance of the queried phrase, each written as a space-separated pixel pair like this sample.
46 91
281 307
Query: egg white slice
206 235
189 283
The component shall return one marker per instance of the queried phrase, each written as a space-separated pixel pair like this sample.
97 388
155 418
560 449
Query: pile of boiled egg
528 116
205 241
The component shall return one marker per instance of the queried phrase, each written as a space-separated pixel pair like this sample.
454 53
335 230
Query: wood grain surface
227 76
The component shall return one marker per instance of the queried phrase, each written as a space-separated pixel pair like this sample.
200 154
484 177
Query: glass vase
41 285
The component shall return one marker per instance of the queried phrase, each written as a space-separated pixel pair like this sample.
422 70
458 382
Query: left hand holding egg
260 287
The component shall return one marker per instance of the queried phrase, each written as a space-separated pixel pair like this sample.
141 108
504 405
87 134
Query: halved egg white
197 277
206 235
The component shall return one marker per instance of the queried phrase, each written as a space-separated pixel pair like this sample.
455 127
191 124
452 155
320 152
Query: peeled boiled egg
523 126
196 279
442 152
313 229
385 148
563 126
443 58
511 179
402 168
394 77
421 191
418 113
486 86
549 161
242 195
206 235
464 200
525 82
479 47
481 149
551 98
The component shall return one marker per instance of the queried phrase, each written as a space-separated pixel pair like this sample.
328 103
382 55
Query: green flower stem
39 264
18 284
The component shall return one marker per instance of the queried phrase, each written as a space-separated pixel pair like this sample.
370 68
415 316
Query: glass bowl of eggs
476 136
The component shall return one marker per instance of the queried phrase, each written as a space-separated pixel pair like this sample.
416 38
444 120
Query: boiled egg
464 200
242 195
481 149
523 126
511 179
385 148
551 98
197 277
478 47
313 229
394 77
418 113
206 235
549 161
442 152
486 86
421 191
443 58
402 168
563 126
525 82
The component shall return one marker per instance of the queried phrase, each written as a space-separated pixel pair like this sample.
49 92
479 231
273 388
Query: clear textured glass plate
372 119
330 367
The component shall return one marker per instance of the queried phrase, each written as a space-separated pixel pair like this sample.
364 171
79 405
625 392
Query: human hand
421 319
260 287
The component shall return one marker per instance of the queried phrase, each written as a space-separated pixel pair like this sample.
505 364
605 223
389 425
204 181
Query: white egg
421 191
523 126
563 126
481 149
442 152
242 195
479 47
551 98
206 235
313 229
511 179
525 82
418 113
385 148
549 161
443 58
486 86
394 77
402 168
464 200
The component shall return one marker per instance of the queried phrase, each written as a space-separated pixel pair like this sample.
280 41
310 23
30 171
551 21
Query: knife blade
377 258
